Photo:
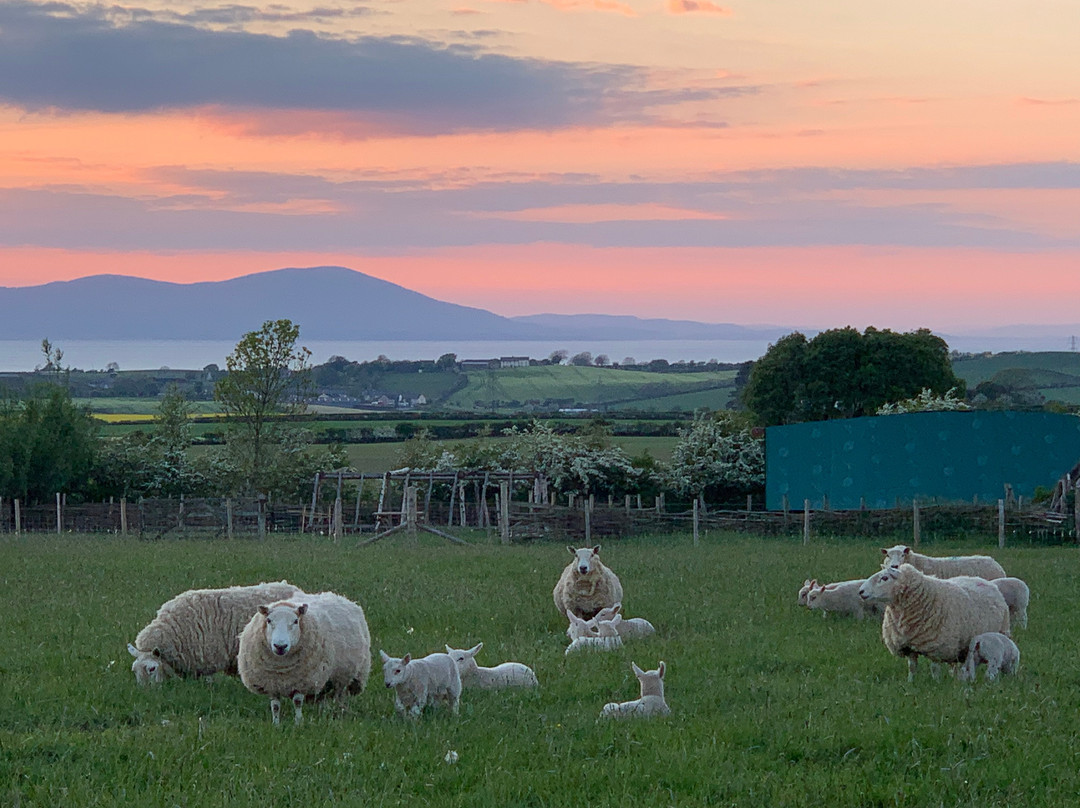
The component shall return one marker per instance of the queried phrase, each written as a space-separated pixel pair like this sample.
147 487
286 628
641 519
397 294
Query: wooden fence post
588 527
504 512
123 516
228 518
697 517
749 503
806 521
915 522
338 520
262 515
461 504
18 517
1001 523
626 505
59 514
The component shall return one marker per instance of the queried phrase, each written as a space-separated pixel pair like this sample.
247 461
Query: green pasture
977 369
772 705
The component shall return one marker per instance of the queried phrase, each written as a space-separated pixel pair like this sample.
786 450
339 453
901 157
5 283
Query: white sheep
978 566
650 703
933 617
197 633
1017 595
998 652
804 590
841 598
586 586
604 637
419 682
507 674
629 628
300 648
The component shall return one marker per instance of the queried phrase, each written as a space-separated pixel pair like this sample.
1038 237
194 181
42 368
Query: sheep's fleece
586 586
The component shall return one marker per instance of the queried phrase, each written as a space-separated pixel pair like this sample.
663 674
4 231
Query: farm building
925 456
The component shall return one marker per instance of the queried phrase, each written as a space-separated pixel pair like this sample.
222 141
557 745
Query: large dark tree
843 374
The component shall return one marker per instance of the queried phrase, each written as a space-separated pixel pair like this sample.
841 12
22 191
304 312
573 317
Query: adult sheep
978 566
197 633
304 647
934 617
586 586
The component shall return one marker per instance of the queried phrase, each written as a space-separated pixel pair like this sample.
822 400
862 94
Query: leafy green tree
267 378
717 458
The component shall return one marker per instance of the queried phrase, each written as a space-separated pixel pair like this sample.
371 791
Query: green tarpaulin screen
950 456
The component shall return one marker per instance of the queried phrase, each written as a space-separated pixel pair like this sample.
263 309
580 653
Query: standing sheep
586 586
996 650
977 566
933 617
197 633
1017 595
841 598
419 682
299 649
650 703
508 674
804 590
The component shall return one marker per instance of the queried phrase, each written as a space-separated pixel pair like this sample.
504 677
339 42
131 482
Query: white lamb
1017 595
650 703
508 674
841 598
586 586
197 633
933 617
998 652
978 566
629 628
804 590
604 637
419 682
301 649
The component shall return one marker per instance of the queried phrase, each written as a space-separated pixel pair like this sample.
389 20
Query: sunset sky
816 164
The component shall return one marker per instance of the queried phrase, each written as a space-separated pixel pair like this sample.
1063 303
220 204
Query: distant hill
616 327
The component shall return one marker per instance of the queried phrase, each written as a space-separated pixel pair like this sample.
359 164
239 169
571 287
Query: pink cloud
695 7
1047 102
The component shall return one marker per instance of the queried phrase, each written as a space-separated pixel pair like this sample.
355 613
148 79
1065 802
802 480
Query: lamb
998 652
304 647
933 617
419 682
197 633
841 598
651 702
628 627
978 566
508 674
605 637
586 586
1017 595
804 590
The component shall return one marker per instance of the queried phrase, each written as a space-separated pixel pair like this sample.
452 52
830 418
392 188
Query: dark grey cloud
61 56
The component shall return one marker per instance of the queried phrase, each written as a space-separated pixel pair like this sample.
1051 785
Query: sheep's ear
884 551
385 656
907 552
662 667
133 650
405 660
475 649
301 609
449 650
596 550
573 552
637 671
264 609
616 608
157 653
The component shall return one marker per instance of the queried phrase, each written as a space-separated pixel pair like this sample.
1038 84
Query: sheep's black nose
280 649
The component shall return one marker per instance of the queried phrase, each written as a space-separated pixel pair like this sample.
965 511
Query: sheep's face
880 587
149 668
808 584
283 626
579 627
585 559
394 669
894 556
464 659
813 597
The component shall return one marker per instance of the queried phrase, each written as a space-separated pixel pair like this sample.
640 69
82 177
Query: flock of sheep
285 643
957 611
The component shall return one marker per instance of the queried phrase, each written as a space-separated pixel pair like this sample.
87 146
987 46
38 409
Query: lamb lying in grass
420 682
605 637
508 674
841 598
996 650
628 627
650 703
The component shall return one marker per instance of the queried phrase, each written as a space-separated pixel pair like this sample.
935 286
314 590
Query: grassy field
772 705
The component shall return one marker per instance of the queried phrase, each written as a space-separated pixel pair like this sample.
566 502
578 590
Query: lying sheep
841 598
933 617
996 650
303 647
508 674
197 633
1017 595
604 637
419 682
586 586
978 566
651 701
628 627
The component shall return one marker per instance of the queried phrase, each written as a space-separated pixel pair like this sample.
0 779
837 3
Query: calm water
25 355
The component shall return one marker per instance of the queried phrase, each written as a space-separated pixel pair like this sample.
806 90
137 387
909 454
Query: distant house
479 364
513 361
420 400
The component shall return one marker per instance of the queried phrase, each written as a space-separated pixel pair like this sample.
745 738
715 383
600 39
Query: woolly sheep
933 617
628 627
508 674
1017 595
302 647
841 598
804 590
586 586
650 703
996 650
419 682
978 566
197 633
605 637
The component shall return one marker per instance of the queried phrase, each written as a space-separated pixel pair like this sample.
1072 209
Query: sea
26 355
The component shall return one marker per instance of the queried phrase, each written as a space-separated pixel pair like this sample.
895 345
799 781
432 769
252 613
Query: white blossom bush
926 401
715 458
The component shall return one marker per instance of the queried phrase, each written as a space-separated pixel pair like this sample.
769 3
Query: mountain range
329 303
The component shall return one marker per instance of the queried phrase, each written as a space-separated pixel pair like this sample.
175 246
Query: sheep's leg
298 708
275 710
992 669
935 671
912 665
455 704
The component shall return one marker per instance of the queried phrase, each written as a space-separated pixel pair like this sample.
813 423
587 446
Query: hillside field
772 705
1054 374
